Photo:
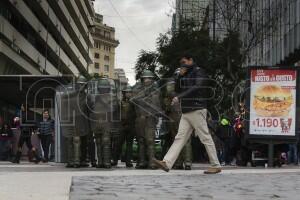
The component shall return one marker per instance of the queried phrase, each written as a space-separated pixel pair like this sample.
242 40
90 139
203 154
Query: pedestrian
213 129
293 154
26 130
184 161
191 93
6 136
46 133
225 133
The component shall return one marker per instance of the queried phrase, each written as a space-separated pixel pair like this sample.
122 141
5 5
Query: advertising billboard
273 102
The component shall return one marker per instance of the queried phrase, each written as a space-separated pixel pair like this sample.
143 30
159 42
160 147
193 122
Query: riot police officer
127 130
147 106
174 113
102 106
84 125
74 119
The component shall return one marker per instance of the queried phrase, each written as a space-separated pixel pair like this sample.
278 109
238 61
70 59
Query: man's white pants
189 122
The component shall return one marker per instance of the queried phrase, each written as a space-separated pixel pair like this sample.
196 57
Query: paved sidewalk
53 181
196 186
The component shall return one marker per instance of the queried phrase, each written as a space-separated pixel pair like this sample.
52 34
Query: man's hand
183 70
175 101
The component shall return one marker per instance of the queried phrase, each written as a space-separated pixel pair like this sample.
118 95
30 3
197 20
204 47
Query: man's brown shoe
161 164
213 171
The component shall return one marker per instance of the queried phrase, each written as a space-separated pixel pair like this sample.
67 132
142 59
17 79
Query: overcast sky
140 24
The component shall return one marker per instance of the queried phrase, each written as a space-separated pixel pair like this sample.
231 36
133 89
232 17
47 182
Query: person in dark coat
6 136
46 131
26 129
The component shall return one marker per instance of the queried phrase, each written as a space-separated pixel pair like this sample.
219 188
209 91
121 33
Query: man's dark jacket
191 89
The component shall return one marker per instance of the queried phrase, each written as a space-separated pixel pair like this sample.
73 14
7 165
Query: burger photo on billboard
272 101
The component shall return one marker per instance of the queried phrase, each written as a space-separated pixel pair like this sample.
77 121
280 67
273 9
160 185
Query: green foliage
146 60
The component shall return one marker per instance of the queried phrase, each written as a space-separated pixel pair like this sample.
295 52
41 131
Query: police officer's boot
99 153
115 156
76 146
179 162
117 150
17 157
107 150
129 143
92 151
69 153
83 147
178 165
141 156
188 155
151 156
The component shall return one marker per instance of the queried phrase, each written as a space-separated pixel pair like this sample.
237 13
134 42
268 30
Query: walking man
192 95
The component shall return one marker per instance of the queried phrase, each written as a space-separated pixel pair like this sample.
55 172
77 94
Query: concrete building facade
45 36
104 49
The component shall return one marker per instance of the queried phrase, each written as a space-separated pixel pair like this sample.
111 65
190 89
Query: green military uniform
74 123
116 133
173 112
147 106
100 117
84 125
141 157
127 130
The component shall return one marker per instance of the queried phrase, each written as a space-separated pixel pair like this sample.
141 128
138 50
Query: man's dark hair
46 110
187 56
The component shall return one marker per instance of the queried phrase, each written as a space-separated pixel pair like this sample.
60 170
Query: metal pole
270 154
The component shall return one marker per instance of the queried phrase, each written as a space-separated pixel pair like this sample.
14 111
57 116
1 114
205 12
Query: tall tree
146 60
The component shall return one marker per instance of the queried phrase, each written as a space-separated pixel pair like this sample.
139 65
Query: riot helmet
127 91
103 86
147 77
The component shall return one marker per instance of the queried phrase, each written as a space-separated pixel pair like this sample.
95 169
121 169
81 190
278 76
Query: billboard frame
274 138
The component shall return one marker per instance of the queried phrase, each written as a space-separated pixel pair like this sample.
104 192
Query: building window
97 55
97 66
97 45
107 34
106 68
106 48
106 58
